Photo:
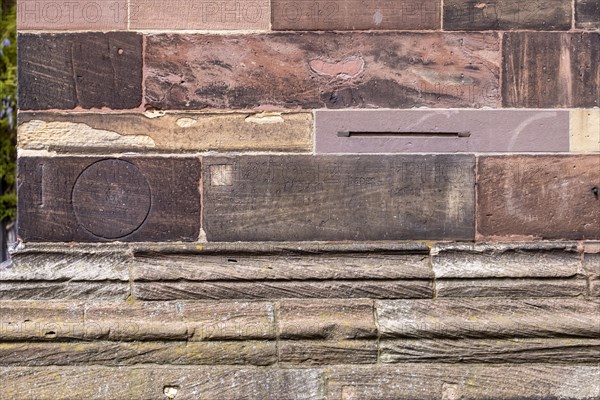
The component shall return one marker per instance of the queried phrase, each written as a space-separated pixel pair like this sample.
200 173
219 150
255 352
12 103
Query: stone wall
305 200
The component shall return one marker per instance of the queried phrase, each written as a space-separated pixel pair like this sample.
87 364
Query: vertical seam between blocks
276 326
376 320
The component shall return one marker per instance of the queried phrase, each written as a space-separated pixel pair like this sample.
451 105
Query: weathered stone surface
315 70
194 321
75 262
585 130
442 131
205 15
491 351
84 132
591 263
507 14
36 320
511 288
96 15
586 14
565 74
131 353
506 260
488 318
468 382
152 382
331 319
595 287
236 265
88 70
553 197
370 197
63 290
376 289
355 14
92 199
323 352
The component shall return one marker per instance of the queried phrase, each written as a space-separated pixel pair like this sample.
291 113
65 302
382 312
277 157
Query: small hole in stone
120 51
232 260
50 334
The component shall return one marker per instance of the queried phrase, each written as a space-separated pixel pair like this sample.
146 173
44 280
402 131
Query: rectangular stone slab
566 74
507 14
199 15
88 70
443 131
48 15
586 14
550 197
99 199
275 198
355 14
322 70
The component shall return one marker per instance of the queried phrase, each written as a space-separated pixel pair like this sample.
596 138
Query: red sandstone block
314 70
355 14
547 197
551 69
72 15
200 15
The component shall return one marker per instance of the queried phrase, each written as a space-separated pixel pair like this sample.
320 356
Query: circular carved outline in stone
130 189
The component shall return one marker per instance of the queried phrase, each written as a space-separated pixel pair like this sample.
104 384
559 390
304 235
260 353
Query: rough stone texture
152 382
488 318
35 320
315 70
88 70
369 197
506 260
131 353
91 199
565 74
355 15
552 197
239 266
64 290
595 287
426 131
586 14
194 321
333 319
465 382
511 288
591 263
205 15
585 130
45 15
83 132
491 351
375 289
327 352
507 14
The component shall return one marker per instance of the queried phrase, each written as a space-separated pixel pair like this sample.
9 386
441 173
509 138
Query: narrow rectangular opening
404 134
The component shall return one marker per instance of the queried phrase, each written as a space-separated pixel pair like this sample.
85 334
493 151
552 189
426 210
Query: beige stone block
159 131
585 130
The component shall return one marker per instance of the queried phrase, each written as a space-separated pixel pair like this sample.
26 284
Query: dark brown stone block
88 70
355 14
275 198
315 70
507 14
587 14
91 199
565 74
539 196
